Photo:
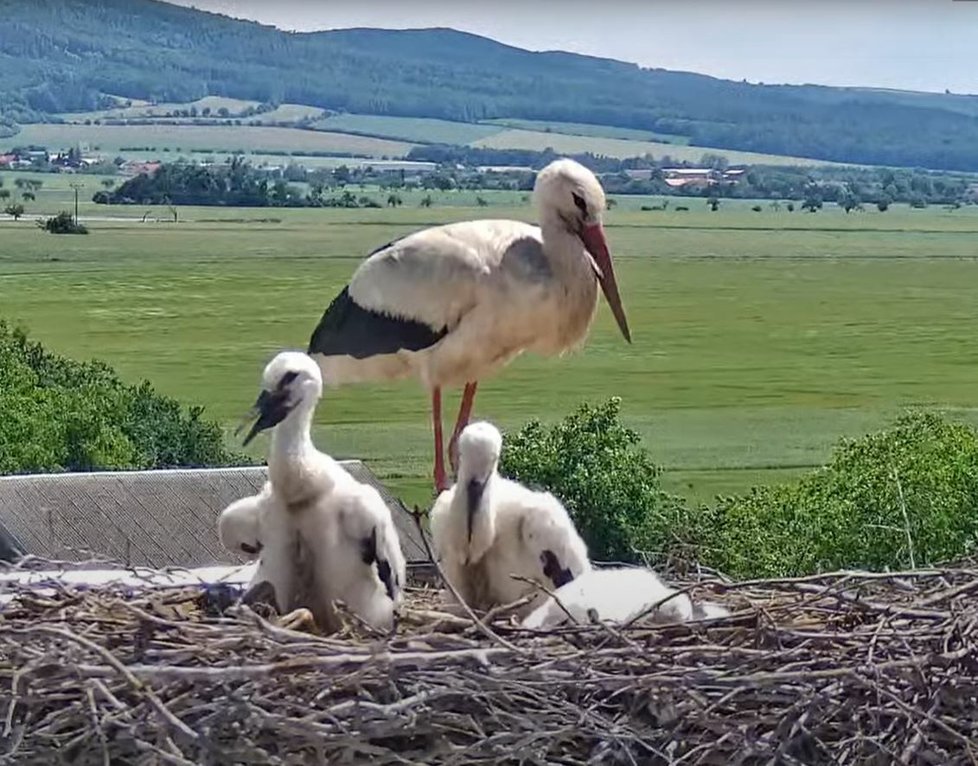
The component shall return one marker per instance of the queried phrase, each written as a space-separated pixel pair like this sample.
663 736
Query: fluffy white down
312 518
237 525
512 529
618 595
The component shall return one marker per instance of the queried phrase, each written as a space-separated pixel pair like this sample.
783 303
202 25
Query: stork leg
440 483
464 412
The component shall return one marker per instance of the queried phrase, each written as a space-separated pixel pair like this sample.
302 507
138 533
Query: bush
63 223
64 415
906 496
607 481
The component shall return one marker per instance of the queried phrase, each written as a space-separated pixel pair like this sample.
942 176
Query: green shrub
64 415
904 496
607 481
62 223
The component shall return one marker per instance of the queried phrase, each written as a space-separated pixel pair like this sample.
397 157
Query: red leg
440 483
464 412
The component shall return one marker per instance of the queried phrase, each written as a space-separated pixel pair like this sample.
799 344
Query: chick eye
581 204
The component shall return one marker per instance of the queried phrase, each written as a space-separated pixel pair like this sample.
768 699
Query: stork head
290 381
479 447
569 193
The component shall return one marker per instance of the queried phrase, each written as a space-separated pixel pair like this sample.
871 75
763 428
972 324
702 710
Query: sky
910 44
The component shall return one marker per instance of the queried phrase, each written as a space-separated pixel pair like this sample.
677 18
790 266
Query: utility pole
76 187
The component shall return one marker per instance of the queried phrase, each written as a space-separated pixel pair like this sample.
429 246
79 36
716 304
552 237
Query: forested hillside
64 55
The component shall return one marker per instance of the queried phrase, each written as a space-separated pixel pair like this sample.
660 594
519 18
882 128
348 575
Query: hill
66 55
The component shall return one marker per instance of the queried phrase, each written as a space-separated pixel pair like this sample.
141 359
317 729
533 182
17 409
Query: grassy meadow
564 143
759 338
154 138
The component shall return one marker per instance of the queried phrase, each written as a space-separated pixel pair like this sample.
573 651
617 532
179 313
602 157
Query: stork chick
619 595
488 528
322 535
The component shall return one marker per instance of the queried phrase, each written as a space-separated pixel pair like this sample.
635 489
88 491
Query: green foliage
607 481
62 223
16 210
901 497
64 415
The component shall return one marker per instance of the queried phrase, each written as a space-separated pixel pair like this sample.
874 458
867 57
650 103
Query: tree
883 204
28 196
918 202
812 204
849 202
16 211
427 201
713 203
4 193
394 201
108 183
791 207
62 223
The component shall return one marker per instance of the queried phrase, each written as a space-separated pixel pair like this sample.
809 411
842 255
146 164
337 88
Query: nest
838 668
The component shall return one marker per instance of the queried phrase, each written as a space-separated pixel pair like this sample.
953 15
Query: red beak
597 246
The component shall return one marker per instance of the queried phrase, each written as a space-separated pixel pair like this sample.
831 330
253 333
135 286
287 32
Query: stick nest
839 668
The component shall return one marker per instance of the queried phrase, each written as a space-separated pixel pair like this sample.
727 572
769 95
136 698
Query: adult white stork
452 304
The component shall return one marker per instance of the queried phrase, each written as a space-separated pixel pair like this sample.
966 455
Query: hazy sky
912 44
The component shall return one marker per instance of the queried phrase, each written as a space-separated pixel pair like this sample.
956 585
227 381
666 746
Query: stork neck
562 246
291 439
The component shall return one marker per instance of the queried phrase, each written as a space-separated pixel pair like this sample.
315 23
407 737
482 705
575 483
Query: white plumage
452 304
321 535
487 528
619 595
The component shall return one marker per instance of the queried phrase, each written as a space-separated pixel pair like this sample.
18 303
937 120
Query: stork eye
581 204
287 379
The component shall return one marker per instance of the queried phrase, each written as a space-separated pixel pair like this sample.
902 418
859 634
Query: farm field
588 129
759 338
616 147
143 109
112 138
417 129
365 135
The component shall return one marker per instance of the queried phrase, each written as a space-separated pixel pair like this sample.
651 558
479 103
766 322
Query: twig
906 518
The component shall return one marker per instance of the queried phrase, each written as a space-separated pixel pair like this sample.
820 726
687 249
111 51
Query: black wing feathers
368 553
347 328
552 569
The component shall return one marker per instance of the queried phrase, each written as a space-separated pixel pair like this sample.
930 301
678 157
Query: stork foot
299 619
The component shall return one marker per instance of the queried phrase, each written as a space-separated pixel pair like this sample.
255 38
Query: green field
142 109
419 129
360 134
587 129
112 138
536 140
759 338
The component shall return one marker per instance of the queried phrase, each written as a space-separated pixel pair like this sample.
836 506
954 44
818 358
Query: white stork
488 528
451 304
321 534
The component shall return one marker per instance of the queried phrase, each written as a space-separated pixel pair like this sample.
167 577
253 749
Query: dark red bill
597 246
